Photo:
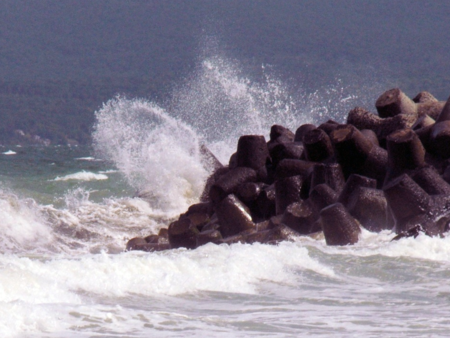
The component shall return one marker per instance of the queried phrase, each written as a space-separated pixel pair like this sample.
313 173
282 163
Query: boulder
339 227
234 216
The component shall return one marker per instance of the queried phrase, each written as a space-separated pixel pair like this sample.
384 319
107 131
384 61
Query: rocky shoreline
389 170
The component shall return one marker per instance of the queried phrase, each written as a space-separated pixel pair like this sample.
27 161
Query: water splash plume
158 149
157 153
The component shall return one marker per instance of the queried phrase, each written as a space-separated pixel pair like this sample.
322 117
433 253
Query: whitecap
109 171
9 152
89 158
82 176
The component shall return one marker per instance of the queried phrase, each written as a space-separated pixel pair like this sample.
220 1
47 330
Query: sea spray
84 226
222 104
157 147
158 154
22 225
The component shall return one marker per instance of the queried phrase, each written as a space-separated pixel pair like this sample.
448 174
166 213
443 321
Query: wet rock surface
385 170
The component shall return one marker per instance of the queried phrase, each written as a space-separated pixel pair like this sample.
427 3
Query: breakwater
384 170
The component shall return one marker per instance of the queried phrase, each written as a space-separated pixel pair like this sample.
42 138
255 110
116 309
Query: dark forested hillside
59 60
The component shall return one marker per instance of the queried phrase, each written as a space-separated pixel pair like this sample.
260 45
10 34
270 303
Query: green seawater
41 173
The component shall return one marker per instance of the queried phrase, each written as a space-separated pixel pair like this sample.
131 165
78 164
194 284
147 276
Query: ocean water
66 214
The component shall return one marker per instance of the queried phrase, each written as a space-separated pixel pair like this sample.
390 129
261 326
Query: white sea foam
434 249
9 152
110 171
236 269
22 226
82 226
88 158
82 176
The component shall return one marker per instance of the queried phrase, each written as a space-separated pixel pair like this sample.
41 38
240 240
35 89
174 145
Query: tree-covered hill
60 60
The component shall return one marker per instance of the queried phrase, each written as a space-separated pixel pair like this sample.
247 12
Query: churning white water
64 223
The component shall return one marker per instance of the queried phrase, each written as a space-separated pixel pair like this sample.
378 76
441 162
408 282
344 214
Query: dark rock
264 225
252 152
265 174
431 109
200 208
289 150
376 165
132 243
209 158
423 121
330 174
362 119
183 234
258 236
281 233
329 126
212 225
265 203
424 135
249 191
446 174
302 130
164 233
232 162
429 180
234 216
209 236
198 219
351 149
152 239
371 136
354 182
339 227
210 182
300 216
369 207
316 228
290 167
317 144
152 247
287 191
229 183
440 138
444 115
394 102
413 232
322 195
275 221
424 97
277 131
405 153
407 200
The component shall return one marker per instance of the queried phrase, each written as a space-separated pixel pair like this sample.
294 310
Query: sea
66 214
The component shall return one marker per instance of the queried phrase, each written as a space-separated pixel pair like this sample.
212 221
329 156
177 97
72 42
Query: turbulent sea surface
67 213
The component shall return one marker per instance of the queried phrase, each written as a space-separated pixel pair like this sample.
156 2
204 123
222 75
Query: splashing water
223 105
158 149
157 153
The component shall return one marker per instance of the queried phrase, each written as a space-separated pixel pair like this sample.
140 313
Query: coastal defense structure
385 170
